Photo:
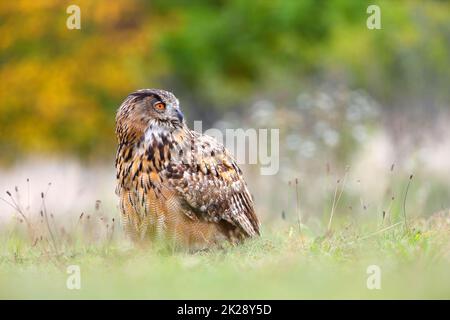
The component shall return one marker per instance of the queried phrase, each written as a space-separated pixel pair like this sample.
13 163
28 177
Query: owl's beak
179 115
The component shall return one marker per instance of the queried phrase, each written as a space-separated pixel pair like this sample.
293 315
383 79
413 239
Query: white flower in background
262 112
324 102
353 112
361 107
308 149
320 127
371 108
331 137
360 134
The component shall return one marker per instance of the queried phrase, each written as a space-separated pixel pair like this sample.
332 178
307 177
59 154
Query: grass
282 264
297 257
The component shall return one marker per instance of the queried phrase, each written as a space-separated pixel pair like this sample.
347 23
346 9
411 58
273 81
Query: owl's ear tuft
141 94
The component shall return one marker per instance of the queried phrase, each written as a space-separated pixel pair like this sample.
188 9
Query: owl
174 184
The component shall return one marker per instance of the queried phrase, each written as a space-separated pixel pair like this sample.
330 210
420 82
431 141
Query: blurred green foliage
59 88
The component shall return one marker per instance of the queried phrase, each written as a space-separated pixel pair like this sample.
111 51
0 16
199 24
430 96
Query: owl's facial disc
145 109
159 107
168 112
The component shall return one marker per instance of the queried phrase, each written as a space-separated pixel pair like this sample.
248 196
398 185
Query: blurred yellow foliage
59 87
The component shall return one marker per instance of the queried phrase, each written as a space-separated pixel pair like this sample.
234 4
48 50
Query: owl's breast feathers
199 171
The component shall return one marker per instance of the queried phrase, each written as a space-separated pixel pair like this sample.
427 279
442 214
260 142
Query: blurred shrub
60 88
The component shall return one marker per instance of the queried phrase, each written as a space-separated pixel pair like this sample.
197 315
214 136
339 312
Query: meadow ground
285 263
379 218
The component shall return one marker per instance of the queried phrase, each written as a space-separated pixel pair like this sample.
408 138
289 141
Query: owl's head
149 107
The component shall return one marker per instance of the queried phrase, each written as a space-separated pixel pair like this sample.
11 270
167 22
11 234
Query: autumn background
363 118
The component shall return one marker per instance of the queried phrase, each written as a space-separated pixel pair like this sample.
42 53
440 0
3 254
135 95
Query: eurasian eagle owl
174 183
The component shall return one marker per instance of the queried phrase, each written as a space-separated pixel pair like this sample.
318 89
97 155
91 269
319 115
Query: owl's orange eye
160 106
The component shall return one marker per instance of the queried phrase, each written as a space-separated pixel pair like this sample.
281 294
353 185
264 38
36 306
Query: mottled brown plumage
176 184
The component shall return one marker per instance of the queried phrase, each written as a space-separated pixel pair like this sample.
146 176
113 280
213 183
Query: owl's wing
209 180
